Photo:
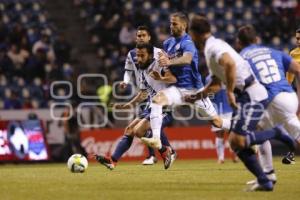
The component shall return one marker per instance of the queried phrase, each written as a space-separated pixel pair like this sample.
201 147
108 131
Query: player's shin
156 119
123 145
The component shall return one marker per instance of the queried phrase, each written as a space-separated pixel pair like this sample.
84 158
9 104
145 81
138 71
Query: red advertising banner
189 143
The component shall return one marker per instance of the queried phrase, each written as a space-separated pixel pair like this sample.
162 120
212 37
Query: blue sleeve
188 46
286 60
165 45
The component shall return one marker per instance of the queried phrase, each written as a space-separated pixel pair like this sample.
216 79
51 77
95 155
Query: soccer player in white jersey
245 94
270 66
152 79
181 58
131 75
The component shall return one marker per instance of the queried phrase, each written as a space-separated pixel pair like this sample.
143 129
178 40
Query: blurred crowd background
42 41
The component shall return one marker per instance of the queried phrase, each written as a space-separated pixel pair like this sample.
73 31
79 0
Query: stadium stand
33 53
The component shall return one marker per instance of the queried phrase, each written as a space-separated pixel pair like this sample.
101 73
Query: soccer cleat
150 160
152 142
167 157
289 159
271 176
266 187
173 157
107 162
220 161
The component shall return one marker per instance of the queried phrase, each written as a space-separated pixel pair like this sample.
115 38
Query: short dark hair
182 16
200 24
146 46
144 28
247 35
298 30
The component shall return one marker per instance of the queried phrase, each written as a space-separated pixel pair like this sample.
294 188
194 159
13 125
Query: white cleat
267 187
173 158
150 161
152 142
272 177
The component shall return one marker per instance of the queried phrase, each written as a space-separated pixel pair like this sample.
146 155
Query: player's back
214 49
188 76
269 66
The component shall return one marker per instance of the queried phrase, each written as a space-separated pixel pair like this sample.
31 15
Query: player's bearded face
177 26
144 59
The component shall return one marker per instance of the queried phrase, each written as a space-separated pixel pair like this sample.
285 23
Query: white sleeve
127 77
129 64
218 50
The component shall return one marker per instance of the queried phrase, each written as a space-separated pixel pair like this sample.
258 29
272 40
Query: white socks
265 156
226 123
220 147
156 119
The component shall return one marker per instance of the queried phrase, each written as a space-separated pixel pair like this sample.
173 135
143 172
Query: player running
270 66
228 67
182 60
131 75
152 79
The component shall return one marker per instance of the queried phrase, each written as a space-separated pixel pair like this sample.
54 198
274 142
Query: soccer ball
77 163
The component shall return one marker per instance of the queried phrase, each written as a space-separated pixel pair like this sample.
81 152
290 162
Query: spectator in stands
17 55
45 44
127 34
12 101
62 49
6 64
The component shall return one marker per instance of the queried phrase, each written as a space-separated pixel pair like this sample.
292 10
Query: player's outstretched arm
230 74
165 61
212 87
141 96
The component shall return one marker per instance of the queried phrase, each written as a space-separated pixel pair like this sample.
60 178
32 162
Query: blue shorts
167 116
247 116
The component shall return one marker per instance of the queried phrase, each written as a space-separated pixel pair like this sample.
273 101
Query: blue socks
249 159
122 147
259 137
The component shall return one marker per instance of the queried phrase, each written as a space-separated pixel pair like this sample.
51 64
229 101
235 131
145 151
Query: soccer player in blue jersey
245 94
181 58
270 66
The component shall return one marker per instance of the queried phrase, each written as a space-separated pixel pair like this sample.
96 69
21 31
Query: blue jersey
220 101
269 66
188 76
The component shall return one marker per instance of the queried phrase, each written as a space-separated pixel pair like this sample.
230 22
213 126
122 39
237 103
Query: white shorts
223 116
282 110
176 96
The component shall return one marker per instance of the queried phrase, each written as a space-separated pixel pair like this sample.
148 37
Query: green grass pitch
130 180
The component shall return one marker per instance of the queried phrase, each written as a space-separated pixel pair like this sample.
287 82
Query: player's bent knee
160 98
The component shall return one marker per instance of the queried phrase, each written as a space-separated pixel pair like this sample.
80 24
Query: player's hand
163 59
123 85
155 75
232 100
190 98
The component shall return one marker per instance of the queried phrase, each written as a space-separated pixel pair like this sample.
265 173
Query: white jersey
148 83
131 71
214 49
